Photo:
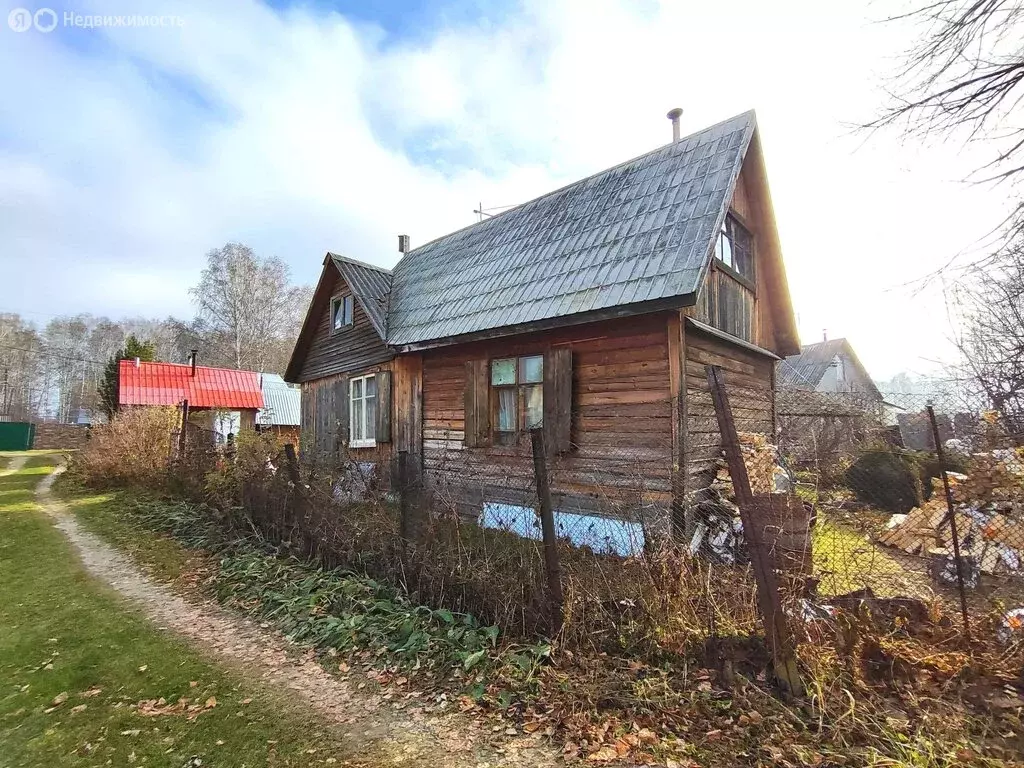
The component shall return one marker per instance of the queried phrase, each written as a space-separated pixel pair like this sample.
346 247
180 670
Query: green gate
16 435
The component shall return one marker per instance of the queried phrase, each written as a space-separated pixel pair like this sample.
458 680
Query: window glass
357 388
531 369
347 308
370 430
724 249
533 397
503 372
507 410
336 314
371 386
357 418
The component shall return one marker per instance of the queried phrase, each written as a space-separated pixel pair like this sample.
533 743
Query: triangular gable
369 284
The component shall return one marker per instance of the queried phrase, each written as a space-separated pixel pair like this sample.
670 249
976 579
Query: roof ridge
564 187
358 263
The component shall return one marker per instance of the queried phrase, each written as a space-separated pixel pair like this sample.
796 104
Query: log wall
621 426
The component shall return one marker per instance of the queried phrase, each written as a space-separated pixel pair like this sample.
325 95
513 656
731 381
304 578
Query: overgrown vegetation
887 479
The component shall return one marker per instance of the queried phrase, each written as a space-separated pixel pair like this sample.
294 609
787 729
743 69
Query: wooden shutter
341 413
477 412
384 407
557 399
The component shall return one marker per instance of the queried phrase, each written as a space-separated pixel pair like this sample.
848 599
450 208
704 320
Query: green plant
108 386
886 479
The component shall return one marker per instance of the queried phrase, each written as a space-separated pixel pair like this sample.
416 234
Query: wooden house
590 311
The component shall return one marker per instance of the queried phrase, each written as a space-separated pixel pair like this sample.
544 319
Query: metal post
552 566
183 436
951 513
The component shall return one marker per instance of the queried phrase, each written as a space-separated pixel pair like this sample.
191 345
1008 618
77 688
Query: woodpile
989 514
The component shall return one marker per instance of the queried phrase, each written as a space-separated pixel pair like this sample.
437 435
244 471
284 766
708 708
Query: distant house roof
639 232
805 370
170 383
280 402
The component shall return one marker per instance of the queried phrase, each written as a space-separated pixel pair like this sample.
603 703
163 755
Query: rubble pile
718 531
989 510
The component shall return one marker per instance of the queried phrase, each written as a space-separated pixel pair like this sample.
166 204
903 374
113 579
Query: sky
128 152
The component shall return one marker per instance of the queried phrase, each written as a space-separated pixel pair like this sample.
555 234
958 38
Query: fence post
183 436
552 566
405 501
780 639
951 514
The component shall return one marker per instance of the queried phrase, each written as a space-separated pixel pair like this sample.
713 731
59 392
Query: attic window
735 247
341 312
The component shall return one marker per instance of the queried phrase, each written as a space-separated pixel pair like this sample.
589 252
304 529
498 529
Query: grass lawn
845 561
75 661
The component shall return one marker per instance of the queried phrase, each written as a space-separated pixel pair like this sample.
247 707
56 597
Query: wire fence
730 533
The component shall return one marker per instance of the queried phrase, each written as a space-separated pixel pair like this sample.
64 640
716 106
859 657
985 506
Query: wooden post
183 435
677 384
951 513
780 640
406 501
293 465
552 567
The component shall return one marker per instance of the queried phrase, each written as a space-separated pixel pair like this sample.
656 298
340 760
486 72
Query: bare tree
964 75
20 371
990 310
248 311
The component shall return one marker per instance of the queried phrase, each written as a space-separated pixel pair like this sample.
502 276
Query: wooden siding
621 427
325 417
351 349
749 381
729 304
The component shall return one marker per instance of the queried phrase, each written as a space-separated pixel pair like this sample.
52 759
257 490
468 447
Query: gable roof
170 383
805 370
639 232
371 285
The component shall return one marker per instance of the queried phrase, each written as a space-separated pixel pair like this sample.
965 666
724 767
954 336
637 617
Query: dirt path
17 462
384 731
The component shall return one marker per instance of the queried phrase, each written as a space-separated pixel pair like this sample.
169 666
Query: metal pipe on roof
674 115
193 358
403 243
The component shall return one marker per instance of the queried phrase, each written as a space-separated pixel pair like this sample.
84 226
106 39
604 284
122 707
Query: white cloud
126 153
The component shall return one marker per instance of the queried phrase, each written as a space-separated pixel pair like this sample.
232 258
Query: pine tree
108 388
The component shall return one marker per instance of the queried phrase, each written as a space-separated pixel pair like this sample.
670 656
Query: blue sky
127 153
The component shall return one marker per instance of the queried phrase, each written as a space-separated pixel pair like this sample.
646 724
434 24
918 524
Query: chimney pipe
674 116
138 362
824 334
403 243
192 357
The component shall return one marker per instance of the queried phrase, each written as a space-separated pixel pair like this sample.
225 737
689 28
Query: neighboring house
828 366
827 403
590 311
280 411
219 399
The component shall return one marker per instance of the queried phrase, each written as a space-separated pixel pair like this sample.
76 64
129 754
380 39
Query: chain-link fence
751 516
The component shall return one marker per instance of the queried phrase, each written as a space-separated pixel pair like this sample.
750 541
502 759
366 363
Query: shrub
885 479
132 450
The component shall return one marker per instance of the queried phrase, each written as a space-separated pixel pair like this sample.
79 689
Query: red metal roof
169 384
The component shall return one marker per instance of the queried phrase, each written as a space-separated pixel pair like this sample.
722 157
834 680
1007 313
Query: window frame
342 299
747 281
500 437
364 442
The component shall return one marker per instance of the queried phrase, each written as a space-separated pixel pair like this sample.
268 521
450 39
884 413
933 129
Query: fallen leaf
132 732
79 708
60 698
144 667
343 667
246 701
603 755
755 717
90 693
193 683
211 702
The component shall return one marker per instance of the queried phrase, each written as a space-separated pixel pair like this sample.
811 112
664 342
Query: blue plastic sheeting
605 535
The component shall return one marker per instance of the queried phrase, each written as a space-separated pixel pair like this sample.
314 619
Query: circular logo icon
45 20
20 19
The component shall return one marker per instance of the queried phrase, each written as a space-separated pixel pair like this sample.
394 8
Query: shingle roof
805 370
371 285
640 231
170 383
